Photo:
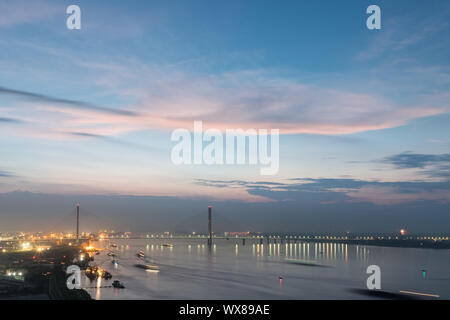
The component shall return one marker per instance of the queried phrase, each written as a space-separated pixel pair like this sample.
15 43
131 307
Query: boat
91 273
141 254
113 245
117 284
147 267
167 245
94 272
115 262
106 275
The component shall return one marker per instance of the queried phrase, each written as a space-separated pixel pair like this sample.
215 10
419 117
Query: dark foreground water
230 270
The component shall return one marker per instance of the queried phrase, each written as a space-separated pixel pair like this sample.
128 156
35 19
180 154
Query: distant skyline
364 115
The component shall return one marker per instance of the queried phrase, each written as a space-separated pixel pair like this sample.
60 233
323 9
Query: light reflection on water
231 270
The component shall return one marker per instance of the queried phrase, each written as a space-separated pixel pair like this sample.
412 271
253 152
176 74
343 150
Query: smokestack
209 226
78 221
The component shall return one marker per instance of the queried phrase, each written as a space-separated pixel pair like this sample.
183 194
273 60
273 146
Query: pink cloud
233 100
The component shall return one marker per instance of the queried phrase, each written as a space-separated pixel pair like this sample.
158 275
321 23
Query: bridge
79 219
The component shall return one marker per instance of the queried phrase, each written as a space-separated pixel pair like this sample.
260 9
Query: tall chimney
209 226
78 221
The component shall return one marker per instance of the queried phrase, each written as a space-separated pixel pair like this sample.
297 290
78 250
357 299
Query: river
231 270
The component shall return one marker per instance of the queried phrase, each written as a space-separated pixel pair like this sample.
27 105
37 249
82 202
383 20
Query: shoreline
42 275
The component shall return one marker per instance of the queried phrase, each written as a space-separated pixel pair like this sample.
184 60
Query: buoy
424 273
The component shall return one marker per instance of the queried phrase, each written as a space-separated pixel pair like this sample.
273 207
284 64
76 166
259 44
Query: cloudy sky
363 114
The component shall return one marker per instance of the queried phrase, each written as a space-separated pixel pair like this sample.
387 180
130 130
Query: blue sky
91 111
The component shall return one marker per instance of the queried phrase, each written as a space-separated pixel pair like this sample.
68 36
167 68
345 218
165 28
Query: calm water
233 271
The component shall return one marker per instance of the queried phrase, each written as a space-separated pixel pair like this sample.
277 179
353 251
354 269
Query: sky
363 114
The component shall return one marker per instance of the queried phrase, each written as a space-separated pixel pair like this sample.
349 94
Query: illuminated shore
39 275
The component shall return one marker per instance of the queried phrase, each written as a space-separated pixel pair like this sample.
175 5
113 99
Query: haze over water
233 271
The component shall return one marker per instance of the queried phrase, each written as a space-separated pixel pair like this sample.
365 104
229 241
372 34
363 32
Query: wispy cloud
36 97
6 174
258 98
387 195
244 99
407 160
18 12
42 116
255 99
9 120
236 183
327 190
431 165
403 33
105 138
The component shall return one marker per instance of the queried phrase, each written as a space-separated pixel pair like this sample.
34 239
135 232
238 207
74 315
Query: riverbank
40 276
